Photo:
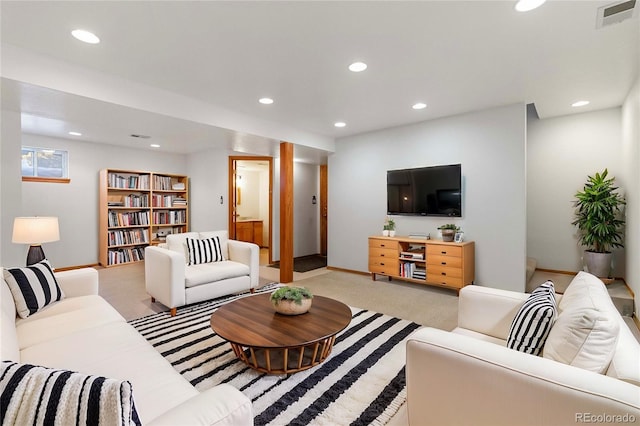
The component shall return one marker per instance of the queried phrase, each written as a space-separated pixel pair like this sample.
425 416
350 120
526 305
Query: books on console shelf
412 255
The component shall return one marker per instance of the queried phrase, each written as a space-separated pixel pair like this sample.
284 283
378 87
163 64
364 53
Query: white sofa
83 333
170 280
469 375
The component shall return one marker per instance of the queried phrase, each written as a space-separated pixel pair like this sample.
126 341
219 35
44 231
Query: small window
44 165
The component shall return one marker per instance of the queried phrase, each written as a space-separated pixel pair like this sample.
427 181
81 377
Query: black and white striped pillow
531 325
33 287
39 395
204 251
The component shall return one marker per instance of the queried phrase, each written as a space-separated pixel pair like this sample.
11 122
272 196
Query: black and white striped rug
362 382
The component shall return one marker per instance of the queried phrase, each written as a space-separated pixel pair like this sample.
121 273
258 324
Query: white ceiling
457 56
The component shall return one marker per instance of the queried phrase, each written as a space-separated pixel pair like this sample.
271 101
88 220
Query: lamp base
35 255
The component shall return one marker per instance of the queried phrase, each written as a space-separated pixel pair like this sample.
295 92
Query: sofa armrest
249 254
78 282
220 405
455 379
488 310
164 276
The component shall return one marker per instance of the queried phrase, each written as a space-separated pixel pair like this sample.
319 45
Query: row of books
128 181
128 218
412 255
163 183
170 217
125 255
168 201
129 236
411 270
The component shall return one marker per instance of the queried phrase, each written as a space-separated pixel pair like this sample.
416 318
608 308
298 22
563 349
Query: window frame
49 179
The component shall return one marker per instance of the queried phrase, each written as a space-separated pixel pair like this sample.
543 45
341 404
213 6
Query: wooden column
286 212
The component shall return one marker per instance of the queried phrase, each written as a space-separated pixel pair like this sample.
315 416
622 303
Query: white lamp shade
35 230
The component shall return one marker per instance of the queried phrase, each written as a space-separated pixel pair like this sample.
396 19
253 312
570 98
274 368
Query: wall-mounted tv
425 191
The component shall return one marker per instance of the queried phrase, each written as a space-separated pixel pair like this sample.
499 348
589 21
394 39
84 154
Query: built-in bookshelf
137 209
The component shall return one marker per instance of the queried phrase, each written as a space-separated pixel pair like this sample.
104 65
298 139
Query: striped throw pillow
531 325
33 287
45 396
204 251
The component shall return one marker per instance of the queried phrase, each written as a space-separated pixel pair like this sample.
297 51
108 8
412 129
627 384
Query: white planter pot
598 264
385 233
392 233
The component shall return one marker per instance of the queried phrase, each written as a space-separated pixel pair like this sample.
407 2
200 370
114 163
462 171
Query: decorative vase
385 233
290 307
448 234
392 233
598 264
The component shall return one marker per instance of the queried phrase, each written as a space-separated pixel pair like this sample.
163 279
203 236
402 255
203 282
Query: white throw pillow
586 331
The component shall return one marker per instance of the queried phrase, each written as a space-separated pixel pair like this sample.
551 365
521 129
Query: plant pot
392 233
598 264
385 233
290 307
448 234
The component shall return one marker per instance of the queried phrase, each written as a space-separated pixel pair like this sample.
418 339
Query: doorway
251 202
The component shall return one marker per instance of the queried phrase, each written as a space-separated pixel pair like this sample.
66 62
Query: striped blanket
33 395
362 382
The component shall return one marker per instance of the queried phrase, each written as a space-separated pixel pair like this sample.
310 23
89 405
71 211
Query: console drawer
443 250
379 266
444 280
383 243
441 260
444 271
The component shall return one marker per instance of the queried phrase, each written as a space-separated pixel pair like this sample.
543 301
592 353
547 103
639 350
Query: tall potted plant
599 219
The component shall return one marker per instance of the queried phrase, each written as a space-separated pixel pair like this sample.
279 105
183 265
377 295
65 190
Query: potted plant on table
389 228
599 219
290 300
448 231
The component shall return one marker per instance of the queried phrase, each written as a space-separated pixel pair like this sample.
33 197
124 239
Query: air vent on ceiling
615 13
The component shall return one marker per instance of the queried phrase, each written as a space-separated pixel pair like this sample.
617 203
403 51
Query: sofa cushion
210 272
41 395
65 317
118 351
9 349
204 251
532 323
178 243
586 331
33 287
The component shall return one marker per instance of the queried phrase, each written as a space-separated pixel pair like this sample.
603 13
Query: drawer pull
443 252
381 264
443 273
382 245
382 255
443 263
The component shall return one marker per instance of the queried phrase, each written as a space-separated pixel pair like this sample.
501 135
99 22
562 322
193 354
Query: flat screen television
425 191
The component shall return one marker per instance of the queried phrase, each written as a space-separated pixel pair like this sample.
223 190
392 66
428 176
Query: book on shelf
412 255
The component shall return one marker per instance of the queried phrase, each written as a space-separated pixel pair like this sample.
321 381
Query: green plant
449 226
598 214
291 293
389 224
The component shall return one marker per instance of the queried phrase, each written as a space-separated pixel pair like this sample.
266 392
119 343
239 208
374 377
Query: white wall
11 189
631 155
250 194
489 144
561 153
76 203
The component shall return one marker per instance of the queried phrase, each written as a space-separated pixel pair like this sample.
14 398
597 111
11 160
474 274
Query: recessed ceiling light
86 36
340 124
75 133
265 101
527 5
154 145
580 103
419 105
357 66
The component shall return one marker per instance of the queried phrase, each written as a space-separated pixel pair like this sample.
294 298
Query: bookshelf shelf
134 207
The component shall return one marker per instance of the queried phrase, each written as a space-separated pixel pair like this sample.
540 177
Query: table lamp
35 231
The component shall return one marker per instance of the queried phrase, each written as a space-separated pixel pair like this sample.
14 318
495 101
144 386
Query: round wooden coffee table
273 343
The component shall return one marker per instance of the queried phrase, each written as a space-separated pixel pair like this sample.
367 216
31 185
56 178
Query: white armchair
469 376
170 280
